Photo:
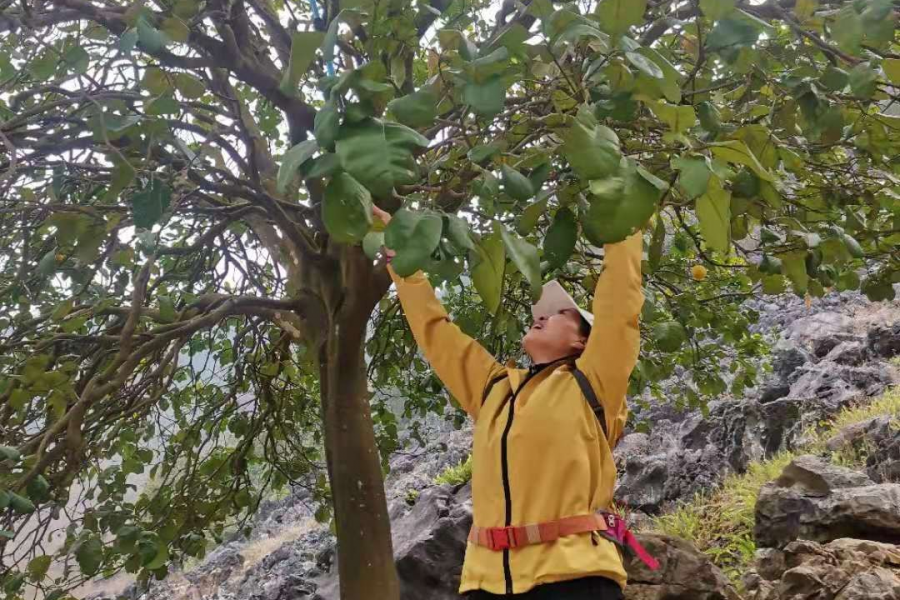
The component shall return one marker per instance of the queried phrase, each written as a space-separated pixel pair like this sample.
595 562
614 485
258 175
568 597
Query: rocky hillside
819 527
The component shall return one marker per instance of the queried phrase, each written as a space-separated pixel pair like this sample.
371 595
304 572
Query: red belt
607 524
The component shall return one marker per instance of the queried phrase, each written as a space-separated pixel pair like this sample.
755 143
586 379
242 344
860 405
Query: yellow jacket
538 450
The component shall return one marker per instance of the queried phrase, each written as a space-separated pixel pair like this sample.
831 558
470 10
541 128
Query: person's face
555 336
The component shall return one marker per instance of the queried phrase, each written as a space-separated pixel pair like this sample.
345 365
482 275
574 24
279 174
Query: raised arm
612 348
460 362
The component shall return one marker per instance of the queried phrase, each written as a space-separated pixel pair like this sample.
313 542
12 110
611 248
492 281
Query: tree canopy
189 281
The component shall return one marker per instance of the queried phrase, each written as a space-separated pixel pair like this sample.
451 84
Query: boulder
684 573
884 341
816 501
843 569
878 441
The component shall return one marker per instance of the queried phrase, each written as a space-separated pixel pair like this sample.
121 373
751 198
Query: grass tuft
721 522
456 474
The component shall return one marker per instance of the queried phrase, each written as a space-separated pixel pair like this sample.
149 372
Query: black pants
587 588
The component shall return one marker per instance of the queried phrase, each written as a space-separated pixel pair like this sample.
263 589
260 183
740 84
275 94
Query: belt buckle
504 541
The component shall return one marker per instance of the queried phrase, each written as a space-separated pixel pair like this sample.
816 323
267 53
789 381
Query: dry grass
257 550
721 522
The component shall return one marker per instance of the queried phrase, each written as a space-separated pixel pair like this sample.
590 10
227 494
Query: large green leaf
487 274
530 216
731 33
737 152
616 16
326 126
525 257
619 206
793 265
190 87
486 98
20 504
848 29
668 335
303 50
891 68
347 209
38 567
150 38
379 154
292 160
418 109
591 149
89 555
559 243
515 184
695 174
714 213
413 235
149 204
716 9
678 118
863 81
457 231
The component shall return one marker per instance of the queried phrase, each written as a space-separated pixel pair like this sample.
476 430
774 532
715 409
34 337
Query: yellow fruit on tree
698 272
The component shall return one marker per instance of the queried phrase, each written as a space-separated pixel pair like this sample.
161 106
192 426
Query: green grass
721 522
457 474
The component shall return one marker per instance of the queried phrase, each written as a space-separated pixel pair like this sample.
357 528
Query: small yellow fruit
698 272
60 258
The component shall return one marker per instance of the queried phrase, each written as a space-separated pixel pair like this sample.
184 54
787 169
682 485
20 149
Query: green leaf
891 68
645 65
167 312
804 9
413 235
160 559
835 79
678 118
457 232
669 335
619 206
324 165
149 204
515 184
716 9
559 243
878 289
7 534
486 98
657 243
418 109
863 81
122 176
9 453
487 274
591 149
292 161
481 153
128 41
379 154
616 16
151 39
525 257
175 29
737 152
38 567
76 59
713 210
89 555
709 117
44 66
38 489
326 126
694 176
189 86
347 209
20 504
847 30
793 265
303 50
529 219
373 243
732 33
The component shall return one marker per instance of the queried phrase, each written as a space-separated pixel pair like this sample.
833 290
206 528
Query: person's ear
580 344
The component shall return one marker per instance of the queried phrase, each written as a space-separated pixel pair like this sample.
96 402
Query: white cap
554 299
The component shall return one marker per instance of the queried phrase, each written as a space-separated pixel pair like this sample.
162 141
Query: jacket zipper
507 572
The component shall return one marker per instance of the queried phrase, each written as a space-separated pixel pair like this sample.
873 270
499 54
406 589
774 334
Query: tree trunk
365 552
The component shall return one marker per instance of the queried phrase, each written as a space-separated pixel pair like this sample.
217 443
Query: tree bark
365 552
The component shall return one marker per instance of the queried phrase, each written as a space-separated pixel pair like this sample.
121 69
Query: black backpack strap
490 385
591 397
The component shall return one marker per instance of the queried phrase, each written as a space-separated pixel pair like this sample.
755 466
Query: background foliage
173 171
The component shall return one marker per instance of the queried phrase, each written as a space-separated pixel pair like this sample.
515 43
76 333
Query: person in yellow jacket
542 463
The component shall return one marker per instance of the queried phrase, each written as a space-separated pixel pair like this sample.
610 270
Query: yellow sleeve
460 362
612 348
